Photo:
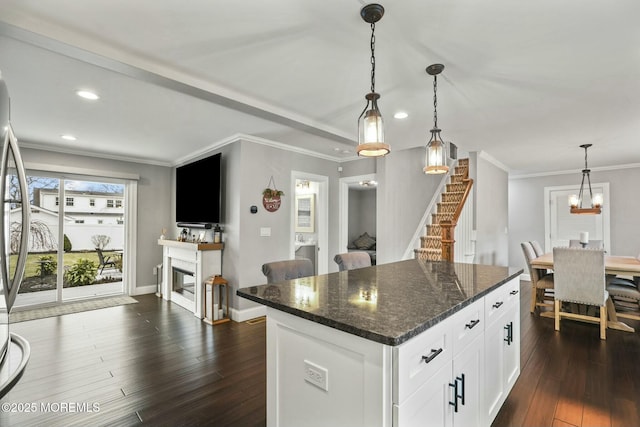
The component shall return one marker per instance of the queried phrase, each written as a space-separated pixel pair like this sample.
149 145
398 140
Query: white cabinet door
467 373
429 406
494 381
502 360
512 349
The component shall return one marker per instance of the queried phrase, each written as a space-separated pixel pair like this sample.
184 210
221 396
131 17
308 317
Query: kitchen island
400 344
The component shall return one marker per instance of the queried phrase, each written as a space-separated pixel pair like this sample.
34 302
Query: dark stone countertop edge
372 336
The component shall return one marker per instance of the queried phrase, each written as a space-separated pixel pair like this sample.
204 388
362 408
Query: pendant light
436 156
575 201
370 126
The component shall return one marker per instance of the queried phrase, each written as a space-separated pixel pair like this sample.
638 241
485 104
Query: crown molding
489 158
87 153
257 140
574 171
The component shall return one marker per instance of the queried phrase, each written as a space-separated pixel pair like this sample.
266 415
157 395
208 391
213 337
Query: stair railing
447 227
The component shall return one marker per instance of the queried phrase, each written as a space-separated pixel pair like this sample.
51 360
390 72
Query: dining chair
625 294
352 260
542 283
279 271
537 248
580 278
593 244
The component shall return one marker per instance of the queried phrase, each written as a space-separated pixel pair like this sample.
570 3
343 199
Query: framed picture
305 213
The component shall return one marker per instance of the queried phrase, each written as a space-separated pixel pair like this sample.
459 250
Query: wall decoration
271 196
305 213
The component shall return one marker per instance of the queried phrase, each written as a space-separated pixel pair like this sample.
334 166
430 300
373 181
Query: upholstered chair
593 244
279 271
352 260
625 294
541 281
537 248
579 278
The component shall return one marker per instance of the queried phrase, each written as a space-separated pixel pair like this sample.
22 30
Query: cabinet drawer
495 305
420 358
512 290
467 324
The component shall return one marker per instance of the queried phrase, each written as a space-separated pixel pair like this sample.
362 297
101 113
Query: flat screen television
198 191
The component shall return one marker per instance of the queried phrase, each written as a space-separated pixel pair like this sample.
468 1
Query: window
92 202
109 203
118 203
69 201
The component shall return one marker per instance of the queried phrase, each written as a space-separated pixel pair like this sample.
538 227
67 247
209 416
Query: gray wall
154 198
526 209
491 198
250 175
404 193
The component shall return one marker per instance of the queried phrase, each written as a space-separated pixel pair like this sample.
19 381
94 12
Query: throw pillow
364 242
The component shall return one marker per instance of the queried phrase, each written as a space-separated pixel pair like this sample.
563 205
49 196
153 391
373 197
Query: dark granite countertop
387 303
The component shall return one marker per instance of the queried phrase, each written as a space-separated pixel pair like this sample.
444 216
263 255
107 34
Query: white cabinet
450 395
457 373
502 348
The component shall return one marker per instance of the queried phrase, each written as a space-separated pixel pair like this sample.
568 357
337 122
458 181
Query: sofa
364 243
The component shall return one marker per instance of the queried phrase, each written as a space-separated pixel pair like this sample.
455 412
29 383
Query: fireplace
183 282
187 266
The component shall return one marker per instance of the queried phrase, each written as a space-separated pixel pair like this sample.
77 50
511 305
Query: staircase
437 244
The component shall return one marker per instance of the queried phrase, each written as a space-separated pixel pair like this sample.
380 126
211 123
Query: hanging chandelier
370 126
436 156
575 201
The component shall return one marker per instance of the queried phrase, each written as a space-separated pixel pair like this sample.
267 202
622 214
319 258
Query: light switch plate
265 231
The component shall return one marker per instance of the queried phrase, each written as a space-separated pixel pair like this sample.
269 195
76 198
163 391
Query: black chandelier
370 126
436 156
575 201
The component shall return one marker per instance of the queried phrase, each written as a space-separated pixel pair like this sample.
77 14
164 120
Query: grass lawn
31 268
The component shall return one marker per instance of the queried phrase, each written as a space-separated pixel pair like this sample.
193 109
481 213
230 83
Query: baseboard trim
143 290
248 313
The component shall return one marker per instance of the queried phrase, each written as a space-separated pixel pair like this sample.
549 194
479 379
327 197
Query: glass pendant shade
436 156
371 130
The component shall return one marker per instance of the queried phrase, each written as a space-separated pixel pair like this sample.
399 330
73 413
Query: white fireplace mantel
201 259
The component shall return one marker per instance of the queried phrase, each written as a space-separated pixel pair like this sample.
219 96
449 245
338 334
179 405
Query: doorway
562 226
349 184
310 219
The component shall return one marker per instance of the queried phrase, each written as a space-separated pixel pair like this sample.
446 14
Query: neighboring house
86 214
85 207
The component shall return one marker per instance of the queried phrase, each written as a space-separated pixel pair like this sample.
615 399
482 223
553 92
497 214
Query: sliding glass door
77 240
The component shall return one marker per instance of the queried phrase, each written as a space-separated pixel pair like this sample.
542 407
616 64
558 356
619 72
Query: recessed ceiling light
69 137
337 149
87 94
400 115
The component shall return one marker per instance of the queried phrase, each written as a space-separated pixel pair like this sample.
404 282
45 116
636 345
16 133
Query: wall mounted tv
198 191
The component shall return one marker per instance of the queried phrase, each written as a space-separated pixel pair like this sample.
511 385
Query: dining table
614 265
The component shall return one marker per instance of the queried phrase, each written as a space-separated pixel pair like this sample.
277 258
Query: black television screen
198 191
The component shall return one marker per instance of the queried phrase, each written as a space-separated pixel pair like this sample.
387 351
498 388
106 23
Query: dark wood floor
156 364
151 363
571 377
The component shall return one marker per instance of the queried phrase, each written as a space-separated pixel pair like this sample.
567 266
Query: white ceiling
526 83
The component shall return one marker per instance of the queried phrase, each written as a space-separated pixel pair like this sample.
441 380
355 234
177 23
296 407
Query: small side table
216 318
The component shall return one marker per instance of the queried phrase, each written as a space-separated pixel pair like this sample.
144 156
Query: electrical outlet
316 375
265 231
